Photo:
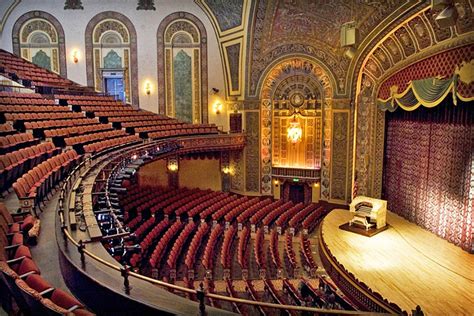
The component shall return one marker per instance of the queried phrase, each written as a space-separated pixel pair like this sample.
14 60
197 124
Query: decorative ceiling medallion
297 99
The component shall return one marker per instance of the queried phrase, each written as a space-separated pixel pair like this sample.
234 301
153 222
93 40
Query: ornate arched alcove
39 37
300 90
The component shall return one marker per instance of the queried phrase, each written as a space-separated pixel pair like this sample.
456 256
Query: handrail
125 270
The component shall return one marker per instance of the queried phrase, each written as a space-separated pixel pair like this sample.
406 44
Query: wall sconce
217 107
276 182
173 165
226 170
147 87
75 56
213 91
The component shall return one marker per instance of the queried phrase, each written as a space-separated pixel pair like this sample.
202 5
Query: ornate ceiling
310 27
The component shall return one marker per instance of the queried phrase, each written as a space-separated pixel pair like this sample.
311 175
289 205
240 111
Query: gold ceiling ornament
294 131
465 71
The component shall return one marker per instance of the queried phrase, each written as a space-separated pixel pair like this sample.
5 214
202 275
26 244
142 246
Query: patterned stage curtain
429 169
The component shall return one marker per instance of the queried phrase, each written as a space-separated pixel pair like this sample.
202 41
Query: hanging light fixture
294 131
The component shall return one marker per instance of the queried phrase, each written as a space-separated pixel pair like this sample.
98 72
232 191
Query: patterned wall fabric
442 64
429 164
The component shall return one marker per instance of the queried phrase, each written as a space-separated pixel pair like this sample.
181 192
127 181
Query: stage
406 264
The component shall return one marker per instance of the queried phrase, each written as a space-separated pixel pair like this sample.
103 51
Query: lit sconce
316 184
276 182
226 170
147 87
217 107
173 165
294 131
75 56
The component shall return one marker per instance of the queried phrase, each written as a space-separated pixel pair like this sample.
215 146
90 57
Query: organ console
368 212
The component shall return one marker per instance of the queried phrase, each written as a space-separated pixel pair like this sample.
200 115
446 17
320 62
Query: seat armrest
23 276
17 260
11 247
73 308
47 292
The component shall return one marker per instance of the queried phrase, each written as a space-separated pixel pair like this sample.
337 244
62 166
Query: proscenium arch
160 36
133 49
273 74
59 30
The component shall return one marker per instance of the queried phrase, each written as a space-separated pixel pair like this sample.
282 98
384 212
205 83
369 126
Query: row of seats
208 257
21 95
12 117
150 239
32 187
16 67
75 130
196 210
274 249
226 251
290 253
175 206
214 207
244 238
6 129
91 137
258 246
82 97
21 279
109 108
33 108
14 164
271 216
157 120
233 213
182 208
178 245
305 246
224 209
195 244
181 132
257 217
14 142
42 125
164 242
245 215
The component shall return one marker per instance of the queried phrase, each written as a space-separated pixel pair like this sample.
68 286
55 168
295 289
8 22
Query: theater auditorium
225 157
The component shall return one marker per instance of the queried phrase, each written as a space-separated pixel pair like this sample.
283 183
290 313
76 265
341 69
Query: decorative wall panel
38 32
340 144
228 13
178 32
252 152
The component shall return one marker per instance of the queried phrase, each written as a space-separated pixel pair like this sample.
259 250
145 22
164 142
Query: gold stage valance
425 92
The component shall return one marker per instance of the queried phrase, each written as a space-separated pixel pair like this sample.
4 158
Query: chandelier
294 131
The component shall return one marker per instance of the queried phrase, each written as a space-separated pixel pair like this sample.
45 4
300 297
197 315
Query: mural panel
228 13
233 56
183 86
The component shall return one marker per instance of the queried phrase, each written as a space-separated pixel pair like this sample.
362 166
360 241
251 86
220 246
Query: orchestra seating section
245 247
254 248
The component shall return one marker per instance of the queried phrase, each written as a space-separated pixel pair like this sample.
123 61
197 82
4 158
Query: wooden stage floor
406 264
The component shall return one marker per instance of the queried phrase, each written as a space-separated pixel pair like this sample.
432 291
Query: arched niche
182 68
287 79
39 37
111 43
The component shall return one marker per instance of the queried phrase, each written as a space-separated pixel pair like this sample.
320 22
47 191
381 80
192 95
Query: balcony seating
13 165
14 142
34 186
